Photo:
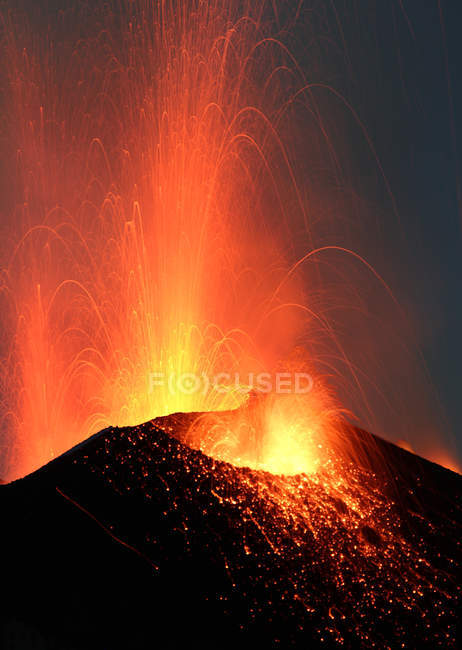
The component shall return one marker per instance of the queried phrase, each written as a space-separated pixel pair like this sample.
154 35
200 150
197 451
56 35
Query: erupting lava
145 167
282 434
163 208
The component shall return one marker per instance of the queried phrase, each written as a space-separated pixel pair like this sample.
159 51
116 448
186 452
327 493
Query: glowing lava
282 434
147 167
166 216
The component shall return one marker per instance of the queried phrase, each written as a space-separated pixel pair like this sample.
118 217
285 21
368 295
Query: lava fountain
162 225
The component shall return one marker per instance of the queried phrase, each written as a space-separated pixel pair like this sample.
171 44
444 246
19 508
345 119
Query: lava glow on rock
282 434
334 545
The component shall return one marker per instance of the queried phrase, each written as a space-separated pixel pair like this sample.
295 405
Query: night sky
407 58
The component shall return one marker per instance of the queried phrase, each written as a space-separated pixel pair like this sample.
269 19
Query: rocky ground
133 539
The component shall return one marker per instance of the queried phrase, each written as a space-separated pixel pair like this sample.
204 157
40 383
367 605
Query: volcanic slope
133 539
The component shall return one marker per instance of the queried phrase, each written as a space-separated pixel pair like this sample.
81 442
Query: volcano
133 539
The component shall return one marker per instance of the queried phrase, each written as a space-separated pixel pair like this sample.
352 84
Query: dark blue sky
429 162
406 85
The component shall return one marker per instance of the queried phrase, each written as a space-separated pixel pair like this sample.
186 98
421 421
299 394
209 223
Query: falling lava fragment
133 539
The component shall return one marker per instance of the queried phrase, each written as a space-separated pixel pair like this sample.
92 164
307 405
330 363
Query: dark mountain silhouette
134 540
